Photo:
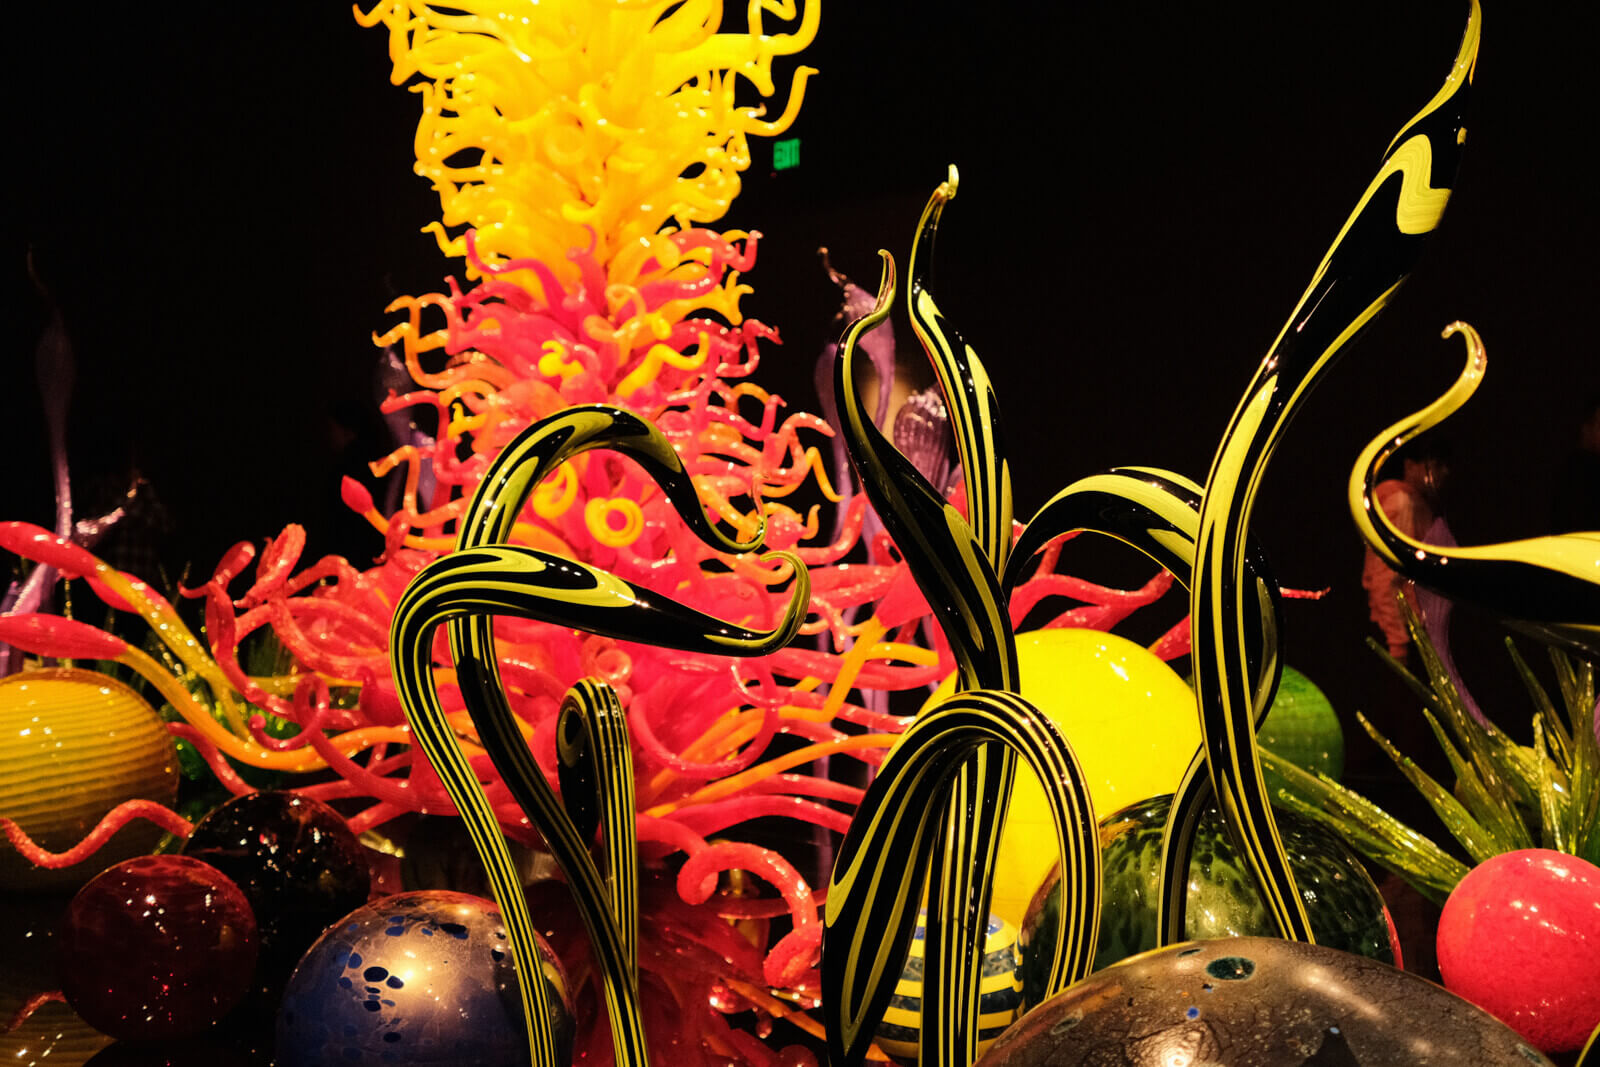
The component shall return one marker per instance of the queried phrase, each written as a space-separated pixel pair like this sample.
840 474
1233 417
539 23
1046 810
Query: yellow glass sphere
1131 721
73 745
53 1035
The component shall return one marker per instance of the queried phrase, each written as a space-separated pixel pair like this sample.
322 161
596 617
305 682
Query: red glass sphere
156 947
1520 938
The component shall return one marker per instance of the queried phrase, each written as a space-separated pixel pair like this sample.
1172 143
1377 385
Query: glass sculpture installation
580 636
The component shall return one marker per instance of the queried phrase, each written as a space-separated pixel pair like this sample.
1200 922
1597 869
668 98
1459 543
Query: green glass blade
1368 828
1552 797
1555 732
1479 842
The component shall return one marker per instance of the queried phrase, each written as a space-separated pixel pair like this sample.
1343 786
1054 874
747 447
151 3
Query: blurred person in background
1414 502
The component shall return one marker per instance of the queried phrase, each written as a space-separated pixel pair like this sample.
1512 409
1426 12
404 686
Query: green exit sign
786 154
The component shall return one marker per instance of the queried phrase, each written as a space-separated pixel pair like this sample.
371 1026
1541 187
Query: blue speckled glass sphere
417 978
1257 1002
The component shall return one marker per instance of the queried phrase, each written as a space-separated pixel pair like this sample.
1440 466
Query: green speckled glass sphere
1302 727
1344 906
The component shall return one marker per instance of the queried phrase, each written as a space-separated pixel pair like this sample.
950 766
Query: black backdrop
220 198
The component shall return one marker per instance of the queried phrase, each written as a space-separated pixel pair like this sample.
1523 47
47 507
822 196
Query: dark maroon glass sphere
299 866
156 947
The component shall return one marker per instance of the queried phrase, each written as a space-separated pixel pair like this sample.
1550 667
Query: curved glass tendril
480 580
1202 536
1158 513
1590 1056
963 860
1547 586
595 771
1369 259
955 561
882 866
970 396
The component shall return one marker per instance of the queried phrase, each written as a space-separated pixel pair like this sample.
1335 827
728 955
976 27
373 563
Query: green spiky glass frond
1506 796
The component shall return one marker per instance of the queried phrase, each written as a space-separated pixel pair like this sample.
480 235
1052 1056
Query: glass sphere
156 947
1344 905
1302 727
1520 937
1132 723
73 745
1256 1002
416 978
999 989
298 864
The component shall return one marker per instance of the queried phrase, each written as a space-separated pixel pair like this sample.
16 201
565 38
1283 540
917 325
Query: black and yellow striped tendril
1547 586
931 821
956 561
1158 513
883 864
1200 535
1369 259
483 579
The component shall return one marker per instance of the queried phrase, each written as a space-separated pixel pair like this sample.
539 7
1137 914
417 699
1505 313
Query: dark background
220 198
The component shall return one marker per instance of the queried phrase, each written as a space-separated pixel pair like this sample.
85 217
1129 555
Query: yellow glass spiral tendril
598 513
553 499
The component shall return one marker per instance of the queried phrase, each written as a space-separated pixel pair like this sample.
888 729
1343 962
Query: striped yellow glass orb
1131 721
54 1035
73 745
999 991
